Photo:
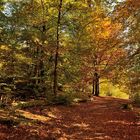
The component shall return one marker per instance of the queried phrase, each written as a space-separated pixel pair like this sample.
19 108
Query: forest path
100 119
103 118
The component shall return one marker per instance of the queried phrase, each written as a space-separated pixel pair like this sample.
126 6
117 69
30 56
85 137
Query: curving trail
100 119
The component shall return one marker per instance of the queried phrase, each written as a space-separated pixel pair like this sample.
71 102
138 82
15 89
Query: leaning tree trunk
55 82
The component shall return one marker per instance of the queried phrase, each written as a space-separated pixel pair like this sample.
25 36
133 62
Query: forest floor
100 119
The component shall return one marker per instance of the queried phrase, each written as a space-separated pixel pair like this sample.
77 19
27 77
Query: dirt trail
100 119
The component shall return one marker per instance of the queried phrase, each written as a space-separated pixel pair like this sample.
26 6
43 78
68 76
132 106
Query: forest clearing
69 69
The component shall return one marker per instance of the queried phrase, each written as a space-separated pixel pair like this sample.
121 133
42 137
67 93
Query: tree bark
55 82
96 84
93 86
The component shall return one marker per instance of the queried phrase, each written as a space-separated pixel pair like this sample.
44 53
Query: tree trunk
38 71
93 86
96 84
55 82
37 66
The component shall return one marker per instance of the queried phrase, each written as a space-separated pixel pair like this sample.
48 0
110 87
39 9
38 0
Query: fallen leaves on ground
100 119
